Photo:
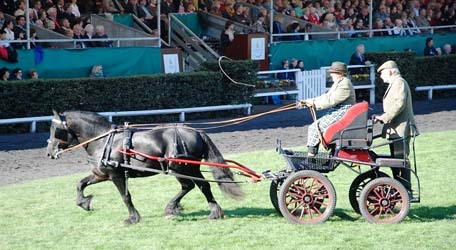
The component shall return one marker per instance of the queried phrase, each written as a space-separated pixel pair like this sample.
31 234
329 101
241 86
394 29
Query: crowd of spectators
390 17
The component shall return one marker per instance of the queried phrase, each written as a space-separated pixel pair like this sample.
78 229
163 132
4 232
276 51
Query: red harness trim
247 172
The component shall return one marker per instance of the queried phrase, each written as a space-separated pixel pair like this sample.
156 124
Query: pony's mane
96 121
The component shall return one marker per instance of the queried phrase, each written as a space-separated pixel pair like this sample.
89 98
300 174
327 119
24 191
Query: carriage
300 192
304 195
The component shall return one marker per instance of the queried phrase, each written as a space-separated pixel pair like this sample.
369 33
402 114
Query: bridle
61 135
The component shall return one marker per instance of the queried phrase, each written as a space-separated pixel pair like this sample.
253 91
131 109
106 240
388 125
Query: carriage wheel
384 200
307 197
273 194
359 183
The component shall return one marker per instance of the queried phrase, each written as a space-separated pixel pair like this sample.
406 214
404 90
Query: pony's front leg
133 215
85 202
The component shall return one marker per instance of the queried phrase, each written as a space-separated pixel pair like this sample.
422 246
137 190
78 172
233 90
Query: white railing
110 115
347 34
312 83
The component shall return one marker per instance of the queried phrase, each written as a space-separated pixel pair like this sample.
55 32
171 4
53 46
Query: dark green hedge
202 88
418 71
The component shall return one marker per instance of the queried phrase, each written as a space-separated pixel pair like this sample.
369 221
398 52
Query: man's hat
338 67
387 65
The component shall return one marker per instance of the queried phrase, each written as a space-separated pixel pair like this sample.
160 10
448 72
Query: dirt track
22 157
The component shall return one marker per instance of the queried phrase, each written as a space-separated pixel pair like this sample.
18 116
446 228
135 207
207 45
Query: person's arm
336 95
397 97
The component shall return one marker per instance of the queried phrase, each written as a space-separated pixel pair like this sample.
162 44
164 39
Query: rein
85 142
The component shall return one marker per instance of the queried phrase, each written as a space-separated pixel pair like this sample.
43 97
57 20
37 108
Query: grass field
42 214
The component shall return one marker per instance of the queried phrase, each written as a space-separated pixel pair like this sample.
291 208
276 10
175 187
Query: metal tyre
307 197
384 200
273 194
359 183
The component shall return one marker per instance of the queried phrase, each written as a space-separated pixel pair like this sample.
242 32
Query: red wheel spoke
302 213
396 200
373 211
379 196
391 211
296 208
317 210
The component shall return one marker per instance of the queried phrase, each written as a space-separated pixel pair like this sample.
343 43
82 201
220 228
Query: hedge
203 88
418 71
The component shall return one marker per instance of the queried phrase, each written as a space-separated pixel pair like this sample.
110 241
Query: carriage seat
354 128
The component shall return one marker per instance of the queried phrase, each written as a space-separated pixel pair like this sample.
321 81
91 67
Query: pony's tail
233 190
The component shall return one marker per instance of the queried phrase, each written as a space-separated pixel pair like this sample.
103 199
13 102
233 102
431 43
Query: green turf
42 214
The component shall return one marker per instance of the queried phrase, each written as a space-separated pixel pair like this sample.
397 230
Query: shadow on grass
244 212
433 213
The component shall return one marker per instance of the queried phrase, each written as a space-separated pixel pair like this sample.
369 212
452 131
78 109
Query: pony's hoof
173 210
216 212
170 216
86 203
132 220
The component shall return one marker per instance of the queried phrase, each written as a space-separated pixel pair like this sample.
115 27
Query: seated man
339 98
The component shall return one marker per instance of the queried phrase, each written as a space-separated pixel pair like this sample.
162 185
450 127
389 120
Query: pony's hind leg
133 215
173 207
85 202
216 210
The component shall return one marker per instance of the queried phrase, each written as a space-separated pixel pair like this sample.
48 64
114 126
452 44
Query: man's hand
378 118
305 103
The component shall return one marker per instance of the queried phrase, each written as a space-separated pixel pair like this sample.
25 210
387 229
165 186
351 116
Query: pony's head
61 136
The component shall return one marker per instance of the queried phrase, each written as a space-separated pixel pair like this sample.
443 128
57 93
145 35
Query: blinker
61 134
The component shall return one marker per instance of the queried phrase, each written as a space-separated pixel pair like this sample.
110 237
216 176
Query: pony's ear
56 114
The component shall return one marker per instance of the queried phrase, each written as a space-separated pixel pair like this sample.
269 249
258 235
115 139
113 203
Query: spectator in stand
59 6
358 58
4 74
313 18
36 10
429 50
8 27
100 33
378 26
52 15
17 75
293 63
394 15
298 9
165 8
259 26
381 13
227 36
146 15
364 16
412 28
389 26
301 65
69 33
68 14
190 8
33 74
75 8
228 12
277 27
20 10
20 31
447 49
239 16
39 23
421 20
360 27
308 29
215 8
293 28
33 38
398 29
88 34
109 6
77 34
285 75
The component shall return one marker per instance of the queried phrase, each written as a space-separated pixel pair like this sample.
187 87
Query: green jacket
340 93
397 105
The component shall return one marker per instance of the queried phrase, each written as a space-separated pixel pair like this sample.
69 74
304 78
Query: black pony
173 140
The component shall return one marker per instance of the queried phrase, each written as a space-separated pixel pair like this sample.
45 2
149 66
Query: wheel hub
307 199
384 202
